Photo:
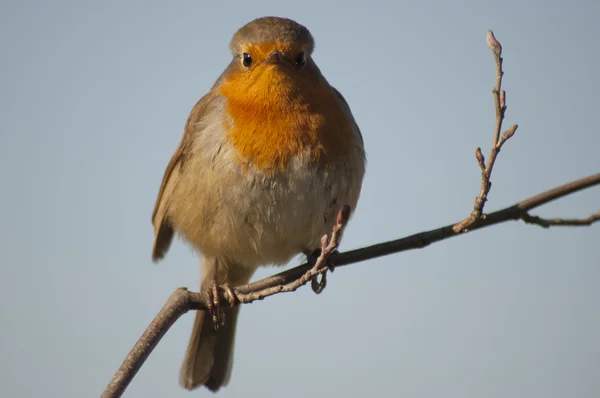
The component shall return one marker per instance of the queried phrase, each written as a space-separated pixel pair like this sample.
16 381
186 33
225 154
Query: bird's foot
213 301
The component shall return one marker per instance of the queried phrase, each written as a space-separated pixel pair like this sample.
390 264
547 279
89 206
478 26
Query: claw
214 305
231 296
215 294
318 284
213 302
212 308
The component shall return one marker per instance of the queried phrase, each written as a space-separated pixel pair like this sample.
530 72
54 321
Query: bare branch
497 142
562 222
182 300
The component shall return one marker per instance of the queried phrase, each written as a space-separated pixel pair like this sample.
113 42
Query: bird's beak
274 58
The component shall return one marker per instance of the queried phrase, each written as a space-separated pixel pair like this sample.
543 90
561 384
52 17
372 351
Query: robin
267 159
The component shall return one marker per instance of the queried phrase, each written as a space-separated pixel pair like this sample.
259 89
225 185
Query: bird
267 159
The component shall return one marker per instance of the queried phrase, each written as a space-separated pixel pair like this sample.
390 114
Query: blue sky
93 99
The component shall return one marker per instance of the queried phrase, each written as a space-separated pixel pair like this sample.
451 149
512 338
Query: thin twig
561 222
497 141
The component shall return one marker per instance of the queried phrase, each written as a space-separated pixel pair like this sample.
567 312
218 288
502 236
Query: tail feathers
209 357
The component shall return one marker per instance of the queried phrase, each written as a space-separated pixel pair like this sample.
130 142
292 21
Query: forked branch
497 140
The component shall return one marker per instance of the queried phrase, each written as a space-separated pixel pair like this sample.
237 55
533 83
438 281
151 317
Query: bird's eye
301 59
246 60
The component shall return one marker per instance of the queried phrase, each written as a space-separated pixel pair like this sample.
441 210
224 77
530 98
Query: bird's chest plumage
269 182
288 211
253 217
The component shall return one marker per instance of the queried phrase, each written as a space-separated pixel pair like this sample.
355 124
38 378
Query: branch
563 222
497 141
182 300
518 211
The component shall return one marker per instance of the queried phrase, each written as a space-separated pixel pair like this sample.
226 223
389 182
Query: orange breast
276 115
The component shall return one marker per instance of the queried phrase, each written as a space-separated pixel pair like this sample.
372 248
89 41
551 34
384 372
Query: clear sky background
93 99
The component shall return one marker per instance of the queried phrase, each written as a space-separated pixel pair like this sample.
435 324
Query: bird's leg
211 293
210 303
214 292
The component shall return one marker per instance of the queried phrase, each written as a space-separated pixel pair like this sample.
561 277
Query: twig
561 222
497 142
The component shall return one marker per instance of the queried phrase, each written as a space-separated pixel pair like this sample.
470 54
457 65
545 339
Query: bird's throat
275 117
